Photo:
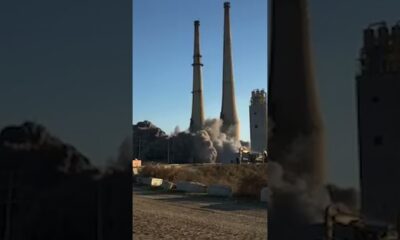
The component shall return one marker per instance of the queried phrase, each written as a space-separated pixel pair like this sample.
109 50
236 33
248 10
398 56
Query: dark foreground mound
49 190
30 146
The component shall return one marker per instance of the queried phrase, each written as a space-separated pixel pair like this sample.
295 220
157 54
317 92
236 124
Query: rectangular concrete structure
191 187
265 194
219 190
167 185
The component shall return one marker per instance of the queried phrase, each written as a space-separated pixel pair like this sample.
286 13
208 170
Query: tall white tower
258 121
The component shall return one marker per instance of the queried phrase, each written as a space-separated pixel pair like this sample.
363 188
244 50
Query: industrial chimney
228 112
197 119
296 138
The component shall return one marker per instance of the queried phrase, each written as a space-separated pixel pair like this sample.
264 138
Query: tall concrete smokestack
197 119
228 111
296 139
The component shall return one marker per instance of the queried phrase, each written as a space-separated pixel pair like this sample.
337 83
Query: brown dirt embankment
245 180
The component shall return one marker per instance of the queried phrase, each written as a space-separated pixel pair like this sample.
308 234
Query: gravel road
158 215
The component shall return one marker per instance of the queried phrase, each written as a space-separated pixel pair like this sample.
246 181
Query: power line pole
99 213
9 203
140 142
173 152
398 224
168 150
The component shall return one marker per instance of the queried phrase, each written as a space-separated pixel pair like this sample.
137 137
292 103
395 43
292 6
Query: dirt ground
158 215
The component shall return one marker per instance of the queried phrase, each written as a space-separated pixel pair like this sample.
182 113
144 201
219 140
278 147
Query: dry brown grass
245 180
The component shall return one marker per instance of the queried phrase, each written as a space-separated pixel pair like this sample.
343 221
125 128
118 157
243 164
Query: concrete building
378 96
228 109
197 119
258 121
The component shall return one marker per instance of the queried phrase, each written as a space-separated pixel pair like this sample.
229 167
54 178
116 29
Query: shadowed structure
49 190
296 135
378 87
228 111
197 119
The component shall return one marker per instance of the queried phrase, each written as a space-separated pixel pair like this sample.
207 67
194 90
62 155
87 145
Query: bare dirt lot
158 215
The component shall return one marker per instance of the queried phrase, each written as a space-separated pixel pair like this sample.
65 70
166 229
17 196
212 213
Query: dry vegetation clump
172 174
245 180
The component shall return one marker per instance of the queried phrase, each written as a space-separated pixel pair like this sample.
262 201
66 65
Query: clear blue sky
163 53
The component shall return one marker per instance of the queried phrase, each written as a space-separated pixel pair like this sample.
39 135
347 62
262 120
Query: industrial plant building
258 121
378 95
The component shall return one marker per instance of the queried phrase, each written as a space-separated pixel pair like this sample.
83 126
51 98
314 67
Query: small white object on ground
152 182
